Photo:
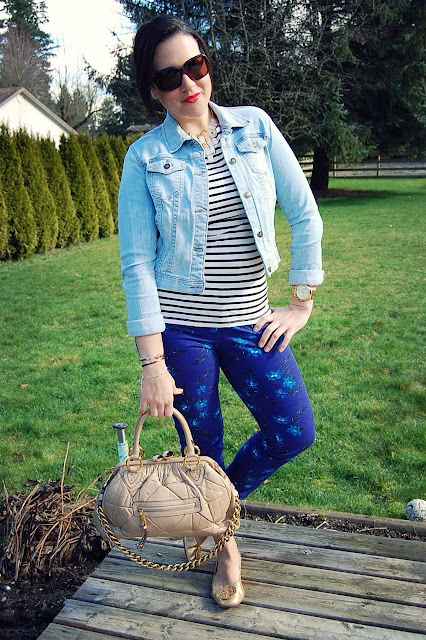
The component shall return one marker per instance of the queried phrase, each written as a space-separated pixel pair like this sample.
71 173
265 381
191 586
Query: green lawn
68 369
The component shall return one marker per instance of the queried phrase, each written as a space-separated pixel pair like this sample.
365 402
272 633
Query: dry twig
46 527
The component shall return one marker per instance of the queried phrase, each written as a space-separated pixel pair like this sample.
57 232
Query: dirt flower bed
317 521
27 609
49 546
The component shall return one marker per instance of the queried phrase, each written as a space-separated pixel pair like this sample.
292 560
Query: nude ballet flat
192 549
230 596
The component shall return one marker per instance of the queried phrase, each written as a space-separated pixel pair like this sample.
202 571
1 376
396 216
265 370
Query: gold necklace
207 136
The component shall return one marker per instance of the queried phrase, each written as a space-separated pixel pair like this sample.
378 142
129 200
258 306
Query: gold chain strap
184 566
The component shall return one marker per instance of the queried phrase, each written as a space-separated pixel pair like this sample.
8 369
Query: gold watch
303 292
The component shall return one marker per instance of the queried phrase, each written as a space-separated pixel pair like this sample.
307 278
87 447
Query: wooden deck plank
358 542
59 632
260 598
398 591
301 584
128 624
308 556
411 570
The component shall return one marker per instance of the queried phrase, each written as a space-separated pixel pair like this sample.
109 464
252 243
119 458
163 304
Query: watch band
304 292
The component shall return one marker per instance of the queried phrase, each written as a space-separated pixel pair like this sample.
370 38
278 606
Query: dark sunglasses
171 78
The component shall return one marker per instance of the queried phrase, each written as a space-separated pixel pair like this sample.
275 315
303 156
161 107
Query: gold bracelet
156 357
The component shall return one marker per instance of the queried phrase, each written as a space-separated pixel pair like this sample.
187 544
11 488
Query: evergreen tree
284 57
22 229
100 192
3 225
339 77
25 49
386 78
28 15
323 51
81 187
109 168
110 118
131 139
119 150
35 181
68 223
122 86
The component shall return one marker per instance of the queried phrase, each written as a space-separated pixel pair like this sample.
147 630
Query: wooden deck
300 583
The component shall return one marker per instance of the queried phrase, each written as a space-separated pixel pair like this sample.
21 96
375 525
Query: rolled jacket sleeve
138 248
298 203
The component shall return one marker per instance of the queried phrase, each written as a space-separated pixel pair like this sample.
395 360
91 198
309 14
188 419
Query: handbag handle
190 447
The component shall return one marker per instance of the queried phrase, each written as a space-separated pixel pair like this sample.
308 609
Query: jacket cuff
137 328
307 277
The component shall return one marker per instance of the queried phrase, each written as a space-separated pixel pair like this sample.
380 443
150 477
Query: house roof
9 93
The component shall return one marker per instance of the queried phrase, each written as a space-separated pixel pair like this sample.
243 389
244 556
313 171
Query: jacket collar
228 117
176 136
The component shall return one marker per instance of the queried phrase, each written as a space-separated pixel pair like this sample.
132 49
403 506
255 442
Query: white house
19 109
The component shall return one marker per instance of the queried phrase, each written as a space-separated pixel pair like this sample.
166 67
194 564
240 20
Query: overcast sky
82 29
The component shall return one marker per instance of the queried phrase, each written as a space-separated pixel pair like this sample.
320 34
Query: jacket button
269 269
233 160
248 194
260 234
167 165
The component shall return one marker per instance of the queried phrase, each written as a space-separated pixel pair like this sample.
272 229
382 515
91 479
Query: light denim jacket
163 208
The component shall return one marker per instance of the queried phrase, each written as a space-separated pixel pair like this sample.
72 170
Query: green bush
68 223
3 225
119 150
109 168
38 190
55 198
22 228
81 187
131 139
100 191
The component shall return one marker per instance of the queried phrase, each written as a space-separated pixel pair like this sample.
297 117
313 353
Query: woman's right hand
158 392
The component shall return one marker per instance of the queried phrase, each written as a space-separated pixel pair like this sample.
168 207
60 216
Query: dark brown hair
148 37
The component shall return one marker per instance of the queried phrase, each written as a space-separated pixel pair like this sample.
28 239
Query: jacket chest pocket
165 177
253 152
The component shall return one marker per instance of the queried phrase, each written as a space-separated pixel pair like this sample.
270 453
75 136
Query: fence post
378 166
334 167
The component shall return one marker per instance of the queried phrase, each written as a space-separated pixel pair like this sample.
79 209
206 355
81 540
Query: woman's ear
154 94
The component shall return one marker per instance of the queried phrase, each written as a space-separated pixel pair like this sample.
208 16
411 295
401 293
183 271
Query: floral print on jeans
269 383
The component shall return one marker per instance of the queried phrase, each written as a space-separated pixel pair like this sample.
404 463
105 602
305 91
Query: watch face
303 292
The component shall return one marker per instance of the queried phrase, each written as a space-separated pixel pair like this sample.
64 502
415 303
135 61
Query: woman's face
189 103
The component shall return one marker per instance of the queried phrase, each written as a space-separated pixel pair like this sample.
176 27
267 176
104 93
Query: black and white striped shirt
236 291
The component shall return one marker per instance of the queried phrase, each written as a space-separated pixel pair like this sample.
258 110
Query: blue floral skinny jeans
270 384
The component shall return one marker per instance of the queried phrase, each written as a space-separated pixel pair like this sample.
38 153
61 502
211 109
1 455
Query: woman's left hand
285 321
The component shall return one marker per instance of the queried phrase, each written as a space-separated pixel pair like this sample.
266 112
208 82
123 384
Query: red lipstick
192 99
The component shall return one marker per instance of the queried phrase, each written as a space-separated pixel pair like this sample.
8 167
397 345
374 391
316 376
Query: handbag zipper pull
142 518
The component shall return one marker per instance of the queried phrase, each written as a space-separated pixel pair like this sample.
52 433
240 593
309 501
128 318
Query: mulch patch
49 547
27 609
32 593
318 521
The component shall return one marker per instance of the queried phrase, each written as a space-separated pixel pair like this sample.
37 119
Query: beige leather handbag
167 497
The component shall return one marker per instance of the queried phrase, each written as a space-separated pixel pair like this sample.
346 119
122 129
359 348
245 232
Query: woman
196 225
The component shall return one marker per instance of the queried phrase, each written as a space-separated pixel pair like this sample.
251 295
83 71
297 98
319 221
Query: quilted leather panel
176 501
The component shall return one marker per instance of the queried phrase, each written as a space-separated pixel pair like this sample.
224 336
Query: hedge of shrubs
53 197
